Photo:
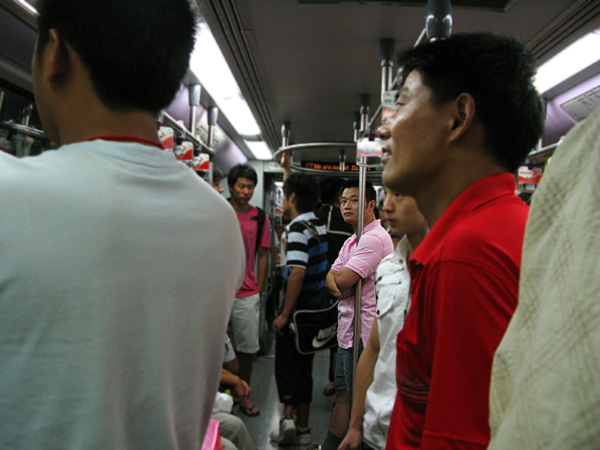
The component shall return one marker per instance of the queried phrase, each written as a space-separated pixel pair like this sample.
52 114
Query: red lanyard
127 138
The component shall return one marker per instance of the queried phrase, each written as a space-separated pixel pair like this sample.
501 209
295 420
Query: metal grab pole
211 119
362 182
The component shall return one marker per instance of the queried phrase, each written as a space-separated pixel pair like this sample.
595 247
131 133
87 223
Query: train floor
264 396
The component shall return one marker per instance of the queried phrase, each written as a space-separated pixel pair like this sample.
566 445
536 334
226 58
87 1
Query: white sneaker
303 438
286 433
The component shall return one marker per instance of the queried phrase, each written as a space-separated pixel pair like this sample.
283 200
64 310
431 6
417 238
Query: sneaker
303 437
286 433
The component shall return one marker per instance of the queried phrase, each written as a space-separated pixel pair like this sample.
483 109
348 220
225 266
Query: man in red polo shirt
467 116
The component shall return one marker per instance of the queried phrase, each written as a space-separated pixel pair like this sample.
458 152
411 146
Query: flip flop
251 410
329 391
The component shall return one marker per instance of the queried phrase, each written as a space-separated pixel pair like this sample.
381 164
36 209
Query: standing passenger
375 384
338 230
467 117
545 388
306 268
355 262
245 317
112 306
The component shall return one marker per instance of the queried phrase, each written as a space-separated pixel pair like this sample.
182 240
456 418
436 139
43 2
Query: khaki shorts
245 317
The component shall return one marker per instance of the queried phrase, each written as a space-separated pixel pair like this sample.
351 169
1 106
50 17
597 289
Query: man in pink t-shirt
245 316
355 262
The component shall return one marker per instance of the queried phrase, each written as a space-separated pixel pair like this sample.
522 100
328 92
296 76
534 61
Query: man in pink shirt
355 262
245 316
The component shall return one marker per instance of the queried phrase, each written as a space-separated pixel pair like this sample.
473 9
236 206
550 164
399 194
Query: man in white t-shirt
113 303
375 380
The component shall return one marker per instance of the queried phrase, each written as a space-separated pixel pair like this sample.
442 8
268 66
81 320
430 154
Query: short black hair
306 189
135 51
498 72
241 171
331 188
370 193
218 175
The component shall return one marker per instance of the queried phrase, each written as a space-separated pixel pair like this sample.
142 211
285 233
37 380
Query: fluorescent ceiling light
260 149
208 64
28 7
572 60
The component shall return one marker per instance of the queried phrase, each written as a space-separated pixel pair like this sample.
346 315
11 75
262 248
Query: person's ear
292 198
56 57
462 113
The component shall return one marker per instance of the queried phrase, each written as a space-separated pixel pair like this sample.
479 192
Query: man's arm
345 279
286 162
239 386
262 267
294 285
330 284
363 379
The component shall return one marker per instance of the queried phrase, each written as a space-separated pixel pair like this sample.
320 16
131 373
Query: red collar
127 139
479 193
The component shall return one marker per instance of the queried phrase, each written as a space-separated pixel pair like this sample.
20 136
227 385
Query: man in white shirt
375 383
113 304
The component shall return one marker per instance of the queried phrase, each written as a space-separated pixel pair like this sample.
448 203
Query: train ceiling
307 62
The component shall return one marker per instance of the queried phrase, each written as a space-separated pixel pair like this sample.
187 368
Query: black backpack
261 218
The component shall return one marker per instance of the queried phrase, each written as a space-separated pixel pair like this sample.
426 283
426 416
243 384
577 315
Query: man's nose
383 132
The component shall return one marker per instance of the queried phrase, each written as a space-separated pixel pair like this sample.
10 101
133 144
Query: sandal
251 410
329 390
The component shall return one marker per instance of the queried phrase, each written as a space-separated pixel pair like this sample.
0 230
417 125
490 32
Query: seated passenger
545 390
112 320
375 383
234 434
467 116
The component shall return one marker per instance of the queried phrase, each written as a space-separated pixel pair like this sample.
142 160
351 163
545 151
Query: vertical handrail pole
362 179
211 119
386 47
194 91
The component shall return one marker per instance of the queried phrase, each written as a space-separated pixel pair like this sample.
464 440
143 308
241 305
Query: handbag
315 321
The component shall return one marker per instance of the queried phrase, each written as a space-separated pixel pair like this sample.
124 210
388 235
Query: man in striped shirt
357 261
306 268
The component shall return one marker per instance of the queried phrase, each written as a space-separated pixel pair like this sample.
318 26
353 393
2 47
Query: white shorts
245 317
229 353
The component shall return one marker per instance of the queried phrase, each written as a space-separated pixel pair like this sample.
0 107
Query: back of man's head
331 188
370 194
497 71
218 175
306 189
135 51
241 171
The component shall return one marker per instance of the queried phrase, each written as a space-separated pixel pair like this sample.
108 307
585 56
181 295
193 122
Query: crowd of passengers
121 270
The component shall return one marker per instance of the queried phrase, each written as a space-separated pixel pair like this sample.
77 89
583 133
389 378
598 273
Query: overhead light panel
260 149
209 65
572 60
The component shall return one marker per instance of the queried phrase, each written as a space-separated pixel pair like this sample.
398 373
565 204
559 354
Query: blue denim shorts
343 367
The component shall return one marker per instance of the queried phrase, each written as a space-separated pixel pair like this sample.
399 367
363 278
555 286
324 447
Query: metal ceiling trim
18 10
564 29
486 5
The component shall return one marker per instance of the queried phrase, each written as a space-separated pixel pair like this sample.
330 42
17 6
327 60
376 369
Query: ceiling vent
582 106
